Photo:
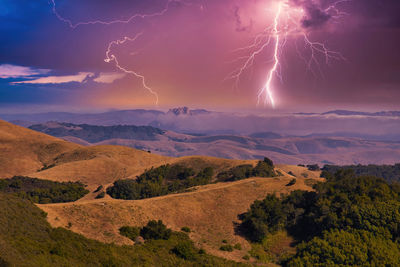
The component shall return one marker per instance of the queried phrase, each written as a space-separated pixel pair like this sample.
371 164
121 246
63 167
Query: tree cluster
348 220
160 181
390 173
264 168
43 191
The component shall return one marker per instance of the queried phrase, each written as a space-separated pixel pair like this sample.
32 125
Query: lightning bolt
285 25
267 90
110 57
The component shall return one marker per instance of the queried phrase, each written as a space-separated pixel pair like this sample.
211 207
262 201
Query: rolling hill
210 211
321 149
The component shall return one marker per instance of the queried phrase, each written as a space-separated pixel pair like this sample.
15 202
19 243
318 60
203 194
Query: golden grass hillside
23 151
210 211
27 152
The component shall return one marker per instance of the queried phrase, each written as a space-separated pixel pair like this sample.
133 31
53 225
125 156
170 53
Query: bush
246 257
185 250
160 181
155 230
43 191
98 189
228 248
263 217
313 167
100 195
237 246
263 168
185 229
292 182
130 232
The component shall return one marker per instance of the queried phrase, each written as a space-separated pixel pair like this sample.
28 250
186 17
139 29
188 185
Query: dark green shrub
130 232
264 168
224 241
292 182
160 181
228 248
101 195
263 217
43 191
185 250
98 189
237 246
236 173
246 257
186 229
313 167
155 230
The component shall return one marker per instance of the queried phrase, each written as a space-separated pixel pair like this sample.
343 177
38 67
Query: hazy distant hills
380 126
340 112
94 134
282 149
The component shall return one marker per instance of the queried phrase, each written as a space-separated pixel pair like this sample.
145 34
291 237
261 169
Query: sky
220 54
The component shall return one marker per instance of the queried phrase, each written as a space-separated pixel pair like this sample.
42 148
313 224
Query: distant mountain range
356 113
379 126
94 134
322 149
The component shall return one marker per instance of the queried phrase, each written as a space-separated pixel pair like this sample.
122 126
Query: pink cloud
108 77
13 71
80 77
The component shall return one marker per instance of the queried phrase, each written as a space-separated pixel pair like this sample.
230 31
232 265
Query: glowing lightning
266 90
112 57
287 23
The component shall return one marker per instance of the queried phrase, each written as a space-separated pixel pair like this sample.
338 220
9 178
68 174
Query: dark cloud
315 17
239 24
315 14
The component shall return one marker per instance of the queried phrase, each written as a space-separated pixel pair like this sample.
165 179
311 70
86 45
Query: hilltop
210 211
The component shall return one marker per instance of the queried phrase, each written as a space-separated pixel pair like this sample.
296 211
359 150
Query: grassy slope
210 211
26 239
24 151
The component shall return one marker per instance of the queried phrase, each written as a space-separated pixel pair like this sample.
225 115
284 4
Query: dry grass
23 151
209 211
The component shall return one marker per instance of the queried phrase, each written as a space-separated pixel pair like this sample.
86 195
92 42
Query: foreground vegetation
160 181
43 191
390 173
348 220
168 179
26 239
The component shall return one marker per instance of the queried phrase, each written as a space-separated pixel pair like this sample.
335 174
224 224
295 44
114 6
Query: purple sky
187 50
